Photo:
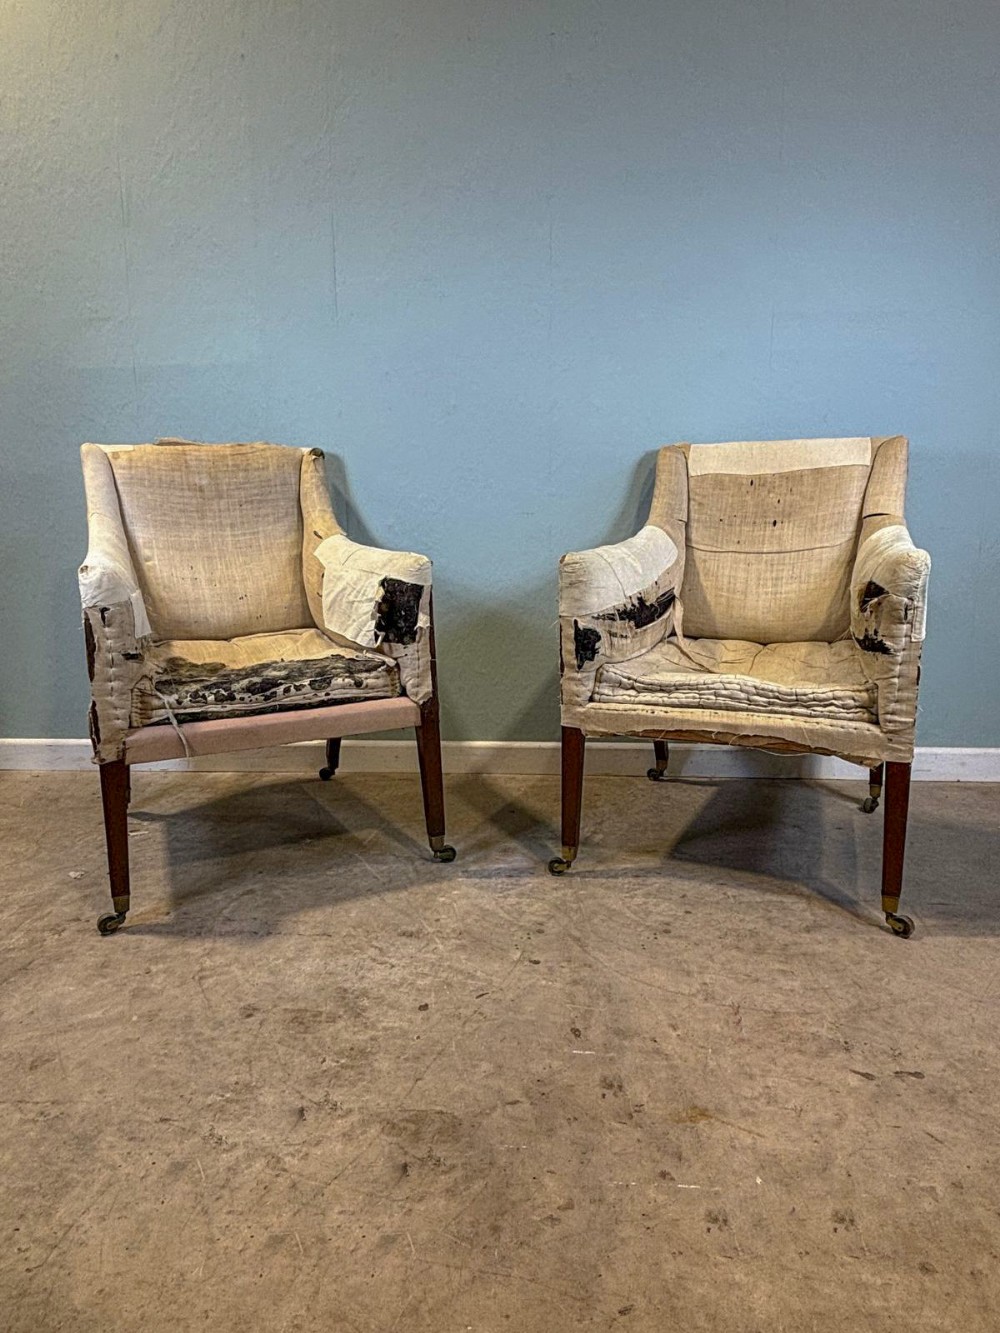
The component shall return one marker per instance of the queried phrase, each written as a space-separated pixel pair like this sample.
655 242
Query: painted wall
491 255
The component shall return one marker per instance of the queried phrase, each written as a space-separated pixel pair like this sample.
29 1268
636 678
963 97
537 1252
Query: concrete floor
322 1083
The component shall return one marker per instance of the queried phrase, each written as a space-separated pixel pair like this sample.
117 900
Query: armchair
225 609
773 599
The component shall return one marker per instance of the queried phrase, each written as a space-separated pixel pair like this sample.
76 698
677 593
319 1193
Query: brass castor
110 922
869 805
557 866
656 774
325 774
900 925
445 853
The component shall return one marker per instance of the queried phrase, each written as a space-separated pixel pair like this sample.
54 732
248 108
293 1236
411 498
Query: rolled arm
380 599
364 596
116 625
888 617
615 602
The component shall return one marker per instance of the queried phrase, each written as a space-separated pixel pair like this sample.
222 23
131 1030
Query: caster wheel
110 922
869 805
900 925
445 853
325 774
557 866
655 775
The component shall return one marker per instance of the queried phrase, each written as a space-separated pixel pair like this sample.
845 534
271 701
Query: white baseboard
604 758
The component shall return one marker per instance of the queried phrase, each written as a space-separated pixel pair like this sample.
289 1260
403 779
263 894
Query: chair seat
201 679
813 680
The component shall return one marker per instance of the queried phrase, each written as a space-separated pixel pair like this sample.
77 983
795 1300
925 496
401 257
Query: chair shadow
217 852
776 836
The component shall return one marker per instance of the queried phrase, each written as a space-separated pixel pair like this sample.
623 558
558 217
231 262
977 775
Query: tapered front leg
432 778
115 788
661 751
897 804
573 744
332 759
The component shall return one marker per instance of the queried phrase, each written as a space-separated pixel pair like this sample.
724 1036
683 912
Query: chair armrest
107 576
615 602
371 596
888 616
116 625
380 599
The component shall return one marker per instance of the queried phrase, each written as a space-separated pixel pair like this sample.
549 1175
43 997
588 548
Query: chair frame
896 777
332 723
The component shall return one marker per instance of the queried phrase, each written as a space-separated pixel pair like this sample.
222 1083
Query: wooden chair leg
662 752
332 759
875 775
432 778
573 744
897 803
115 787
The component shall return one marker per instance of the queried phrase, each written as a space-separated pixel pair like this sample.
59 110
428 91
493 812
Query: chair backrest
215 534
772 531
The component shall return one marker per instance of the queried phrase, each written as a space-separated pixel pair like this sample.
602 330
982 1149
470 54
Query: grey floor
321 1082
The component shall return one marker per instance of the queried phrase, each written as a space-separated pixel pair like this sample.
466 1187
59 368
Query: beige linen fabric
616 601
356 606
206 556
858 742
799 608
769 545
215 533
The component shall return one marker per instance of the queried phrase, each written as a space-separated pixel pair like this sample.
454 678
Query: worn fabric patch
608 578
197 680
354 590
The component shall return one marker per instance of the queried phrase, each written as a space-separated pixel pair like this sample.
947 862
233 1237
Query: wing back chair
225 609
773 599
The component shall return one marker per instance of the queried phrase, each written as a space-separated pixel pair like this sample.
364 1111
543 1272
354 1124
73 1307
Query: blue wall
491 255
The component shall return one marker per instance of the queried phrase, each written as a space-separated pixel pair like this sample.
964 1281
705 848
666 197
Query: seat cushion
199 679
815 680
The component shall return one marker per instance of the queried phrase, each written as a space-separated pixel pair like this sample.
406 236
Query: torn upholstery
204 594
797 610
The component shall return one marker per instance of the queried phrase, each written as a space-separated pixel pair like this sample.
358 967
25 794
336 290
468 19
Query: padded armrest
615 602
107 576
371 596
889 564
115 621
616 579
888 616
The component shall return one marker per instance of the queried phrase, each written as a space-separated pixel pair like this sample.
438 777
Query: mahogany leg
573 744
897 803
432 778
662 752
114 796
870 804
332 759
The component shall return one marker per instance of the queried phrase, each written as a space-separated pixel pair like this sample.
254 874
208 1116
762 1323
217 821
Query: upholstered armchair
225 609
773 599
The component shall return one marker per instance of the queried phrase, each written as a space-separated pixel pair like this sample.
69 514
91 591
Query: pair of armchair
773 599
